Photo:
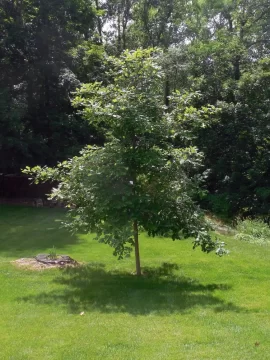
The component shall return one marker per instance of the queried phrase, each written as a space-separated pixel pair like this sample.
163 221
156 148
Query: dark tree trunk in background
137 251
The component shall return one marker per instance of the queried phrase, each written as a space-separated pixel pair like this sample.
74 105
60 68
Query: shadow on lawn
25 231
92 288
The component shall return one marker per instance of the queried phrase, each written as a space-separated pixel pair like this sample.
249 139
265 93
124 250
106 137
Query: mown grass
188 305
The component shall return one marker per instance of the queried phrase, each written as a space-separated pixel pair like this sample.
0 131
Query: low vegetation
187 305
254 231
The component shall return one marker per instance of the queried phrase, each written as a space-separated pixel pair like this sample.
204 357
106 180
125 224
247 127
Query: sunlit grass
188 305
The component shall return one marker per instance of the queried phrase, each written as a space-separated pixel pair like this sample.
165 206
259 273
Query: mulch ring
44 261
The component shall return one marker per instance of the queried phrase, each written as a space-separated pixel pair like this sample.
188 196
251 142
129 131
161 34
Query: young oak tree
138 180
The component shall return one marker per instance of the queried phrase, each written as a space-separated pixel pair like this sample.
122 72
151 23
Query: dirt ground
33 264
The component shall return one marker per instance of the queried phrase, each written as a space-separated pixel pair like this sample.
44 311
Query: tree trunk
137 252
99 25
119 37
237 73
167 92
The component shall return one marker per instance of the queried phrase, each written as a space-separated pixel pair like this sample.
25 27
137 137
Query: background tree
226 44
38 124
118 16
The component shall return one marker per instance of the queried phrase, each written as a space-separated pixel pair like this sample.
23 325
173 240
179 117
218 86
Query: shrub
254 231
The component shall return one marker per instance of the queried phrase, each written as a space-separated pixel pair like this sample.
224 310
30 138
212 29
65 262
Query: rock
61 260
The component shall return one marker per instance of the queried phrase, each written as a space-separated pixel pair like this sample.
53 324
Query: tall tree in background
37 122
229 47
157 23
118 17
226 43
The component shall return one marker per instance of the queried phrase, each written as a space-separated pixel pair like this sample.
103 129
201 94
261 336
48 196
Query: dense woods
216 49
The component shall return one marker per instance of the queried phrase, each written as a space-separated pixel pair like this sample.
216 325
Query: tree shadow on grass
25 231
92 288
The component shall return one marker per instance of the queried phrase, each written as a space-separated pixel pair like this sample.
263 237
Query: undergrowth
255 231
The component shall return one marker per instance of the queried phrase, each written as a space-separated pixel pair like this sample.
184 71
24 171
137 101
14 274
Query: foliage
37 123
219 203
255 231
227 60
156 23
89 61
237 151
218 48
139 178
221 49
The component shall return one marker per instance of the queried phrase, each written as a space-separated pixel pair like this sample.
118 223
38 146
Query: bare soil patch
43 261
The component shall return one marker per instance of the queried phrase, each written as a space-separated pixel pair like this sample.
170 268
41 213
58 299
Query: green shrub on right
255 231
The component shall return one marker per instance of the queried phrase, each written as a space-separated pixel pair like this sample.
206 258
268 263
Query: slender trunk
237 72
167 92
135 222
124 37
99 25
137 251
236 62
119 37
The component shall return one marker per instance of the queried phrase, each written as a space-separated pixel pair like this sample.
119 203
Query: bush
255 231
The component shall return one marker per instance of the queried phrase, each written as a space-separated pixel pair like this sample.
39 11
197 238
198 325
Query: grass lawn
189 306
